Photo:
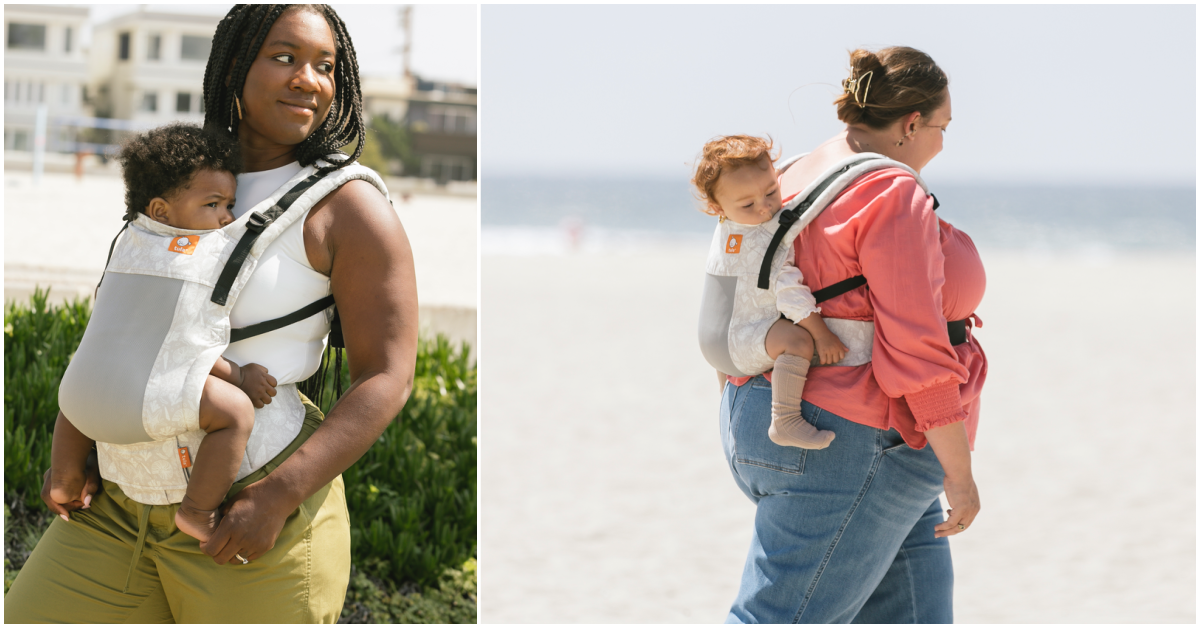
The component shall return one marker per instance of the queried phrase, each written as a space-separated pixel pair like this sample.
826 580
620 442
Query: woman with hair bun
282 80
855 532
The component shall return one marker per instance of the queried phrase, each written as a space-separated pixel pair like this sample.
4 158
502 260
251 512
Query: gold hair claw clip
852 85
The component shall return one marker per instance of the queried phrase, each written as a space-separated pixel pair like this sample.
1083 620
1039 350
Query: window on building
444 168
67 41
195 48
26 36
66 94
41 93
154 50
7 93
123 46
183 102
150 102
201 99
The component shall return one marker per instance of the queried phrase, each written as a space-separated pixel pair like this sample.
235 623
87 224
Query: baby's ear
714 210
158 209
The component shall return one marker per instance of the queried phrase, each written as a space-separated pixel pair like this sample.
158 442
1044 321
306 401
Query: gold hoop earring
239 106
721 220
900 143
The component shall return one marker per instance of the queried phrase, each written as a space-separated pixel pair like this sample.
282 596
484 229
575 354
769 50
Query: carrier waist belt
957 331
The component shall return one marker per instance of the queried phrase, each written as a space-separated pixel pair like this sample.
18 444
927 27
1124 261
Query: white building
43 65
386 96
148 67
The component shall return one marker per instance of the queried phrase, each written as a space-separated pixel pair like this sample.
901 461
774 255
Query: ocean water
531 215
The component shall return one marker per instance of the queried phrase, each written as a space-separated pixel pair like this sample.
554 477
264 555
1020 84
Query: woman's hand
953 451
258 385
91 486
250 524
963 498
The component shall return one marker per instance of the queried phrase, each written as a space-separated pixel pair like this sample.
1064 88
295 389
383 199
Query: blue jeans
842 534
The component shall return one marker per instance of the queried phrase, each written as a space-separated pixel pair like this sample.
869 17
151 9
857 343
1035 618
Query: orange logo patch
184 244
734 244
185 458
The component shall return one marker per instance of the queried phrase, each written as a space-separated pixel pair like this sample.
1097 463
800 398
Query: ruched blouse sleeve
901 257
794 299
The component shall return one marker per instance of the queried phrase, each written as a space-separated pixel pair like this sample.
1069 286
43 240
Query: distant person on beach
282 81
183 177
736 180
854 532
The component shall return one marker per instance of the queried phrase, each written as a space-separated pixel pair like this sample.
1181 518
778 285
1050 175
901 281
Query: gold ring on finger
245 562
961 527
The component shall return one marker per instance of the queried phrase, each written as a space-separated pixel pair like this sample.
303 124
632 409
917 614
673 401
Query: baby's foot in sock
794 431
195 522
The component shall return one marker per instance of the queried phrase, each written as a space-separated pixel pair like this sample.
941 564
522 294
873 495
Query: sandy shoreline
59 233
605 496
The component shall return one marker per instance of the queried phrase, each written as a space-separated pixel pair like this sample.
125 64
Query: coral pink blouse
920 272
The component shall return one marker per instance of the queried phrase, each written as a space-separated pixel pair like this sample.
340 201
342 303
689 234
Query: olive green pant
98 568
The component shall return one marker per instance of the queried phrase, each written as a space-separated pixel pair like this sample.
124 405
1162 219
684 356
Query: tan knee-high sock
788 426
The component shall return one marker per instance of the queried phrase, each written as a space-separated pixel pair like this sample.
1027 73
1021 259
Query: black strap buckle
257 222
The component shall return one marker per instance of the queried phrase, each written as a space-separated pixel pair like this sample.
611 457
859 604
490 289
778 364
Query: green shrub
412 496
453 601
39 340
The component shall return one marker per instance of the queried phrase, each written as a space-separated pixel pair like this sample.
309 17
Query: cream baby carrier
161 320
738 305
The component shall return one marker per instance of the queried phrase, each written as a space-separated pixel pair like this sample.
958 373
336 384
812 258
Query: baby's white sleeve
794 299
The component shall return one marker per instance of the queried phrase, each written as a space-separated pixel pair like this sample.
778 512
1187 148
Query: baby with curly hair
736 180
183 176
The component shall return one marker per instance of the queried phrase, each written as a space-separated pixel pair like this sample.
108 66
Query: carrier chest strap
846 285
788 217
839 288
249 331
254 228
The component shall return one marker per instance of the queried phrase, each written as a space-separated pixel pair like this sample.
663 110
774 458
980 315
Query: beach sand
58 233
605 496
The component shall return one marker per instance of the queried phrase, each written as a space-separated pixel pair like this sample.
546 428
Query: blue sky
1071 94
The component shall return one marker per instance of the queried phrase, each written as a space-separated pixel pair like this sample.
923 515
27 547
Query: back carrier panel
738 302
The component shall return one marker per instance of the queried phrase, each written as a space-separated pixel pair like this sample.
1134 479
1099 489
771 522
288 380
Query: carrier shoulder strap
254 228
788 217
111 247
800 212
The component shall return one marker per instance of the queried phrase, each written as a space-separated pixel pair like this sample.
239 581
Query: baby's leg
69 450
791 346
227 415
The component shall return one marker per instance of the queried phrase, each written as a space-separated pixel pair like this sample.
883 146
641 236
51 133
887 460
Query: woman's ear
910 123
159 210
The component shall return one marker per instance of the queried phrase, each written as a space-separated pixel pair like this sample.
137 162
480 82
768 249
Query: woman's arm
355 236
900 254
949 443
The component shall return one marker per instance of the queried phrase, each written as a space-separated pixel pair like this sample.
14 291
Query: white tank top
283 283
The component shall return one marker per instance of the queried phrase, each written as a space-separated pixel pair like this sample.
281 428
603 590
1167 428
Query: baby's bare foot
195 522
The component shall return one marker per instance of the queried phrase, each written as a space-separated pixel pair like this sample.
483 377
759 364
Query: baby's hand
257 384
830 349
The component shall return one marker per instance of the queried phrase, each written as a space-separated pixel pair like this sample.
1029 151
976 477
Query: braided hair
235 46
